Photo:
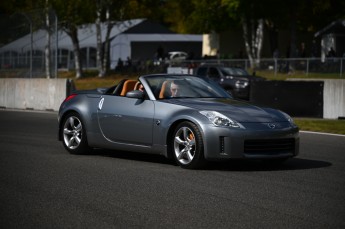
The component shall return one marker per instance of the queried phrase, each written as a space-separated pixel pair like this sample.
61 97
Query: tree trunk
253 38
47 47
253 41
73 33
99 40
259 40
107 44
246 42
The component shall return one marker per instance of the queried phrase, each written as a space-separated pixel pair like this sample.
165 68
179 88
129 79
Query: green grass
298 74
91 83
90 80
321 125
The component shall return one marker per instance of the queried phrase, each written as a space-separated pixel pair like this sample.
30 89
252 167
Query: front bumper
241 93
256 141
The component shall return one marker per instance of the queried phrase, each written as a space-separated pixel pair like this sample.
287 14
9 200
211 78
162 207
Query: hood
246 77
239 111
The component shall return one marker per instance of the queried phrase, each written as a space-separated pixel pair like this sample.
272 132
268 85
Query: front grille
269 146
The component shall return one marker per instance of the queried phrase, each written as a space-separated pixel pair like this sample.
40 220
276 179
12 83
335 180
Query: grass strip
321 125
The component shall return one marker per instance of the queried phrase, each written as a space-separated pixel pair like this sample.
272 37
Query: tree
99 8
181 10
47 48
71 15
109 13
203 16
251 14
37 18
304 16
196 16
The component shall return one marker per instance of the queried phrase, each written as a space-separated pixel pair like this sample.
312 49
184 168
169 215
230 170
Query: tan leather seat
136 87
164 90
128 86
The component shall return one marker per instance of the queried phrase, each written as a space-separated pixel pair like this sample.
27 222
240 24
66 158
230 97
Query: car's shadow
251 166
151 158
230 165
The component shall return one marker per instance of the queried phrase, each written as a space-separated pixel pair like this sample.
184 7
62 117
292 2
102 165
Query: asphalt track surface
42 186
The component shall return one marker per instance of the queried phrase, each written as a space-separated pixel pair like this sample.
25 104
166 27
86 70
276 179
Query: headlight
219 119
241 83
290 120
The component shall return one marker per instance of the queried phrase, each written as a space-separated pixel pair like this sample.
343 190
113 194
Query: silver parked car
188 118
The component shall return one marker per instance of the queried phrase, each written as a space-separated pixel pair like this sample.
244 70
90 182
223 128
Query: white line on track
28 110
321 133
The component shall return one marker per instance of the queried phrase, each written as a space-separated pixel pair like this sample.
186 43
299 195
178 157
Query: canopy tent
86 35
332 39
336 27
123 35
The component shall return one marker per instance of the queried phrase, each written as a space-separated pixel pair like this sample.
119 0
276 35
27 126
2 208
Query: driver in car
174 90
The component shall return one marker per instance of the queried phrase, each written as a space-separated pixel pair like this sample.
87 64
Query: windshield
234 71
184 86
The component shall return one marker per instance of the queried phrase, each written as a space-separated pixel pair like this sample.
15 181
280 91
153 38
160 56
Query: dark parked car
188 118
234 80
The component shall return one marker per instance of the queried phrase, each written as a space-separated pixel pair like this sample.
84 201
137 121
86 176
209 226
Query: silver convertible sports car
187 118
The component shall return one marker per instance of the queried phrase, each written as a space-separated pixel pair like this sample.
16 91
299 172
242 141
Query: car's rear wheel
73 134
187 146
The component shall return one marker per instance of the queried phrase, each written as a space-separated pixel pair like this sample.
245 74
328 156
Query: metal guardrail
307 66
282 65
19 66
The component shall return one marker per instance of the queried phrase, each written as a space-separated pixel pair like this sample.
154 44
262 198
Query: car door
214 74
126 120
202 71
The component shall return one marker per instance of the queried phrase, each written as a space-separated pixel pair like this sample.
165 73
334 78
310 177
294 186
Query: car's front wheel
187 146
73 134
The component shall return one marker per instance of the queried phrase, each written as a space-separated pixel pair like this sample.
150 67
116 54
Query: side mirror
136 94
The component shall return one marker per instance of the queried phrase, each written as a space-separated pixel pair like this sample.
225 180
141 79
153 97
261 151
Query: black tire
73 135
187 146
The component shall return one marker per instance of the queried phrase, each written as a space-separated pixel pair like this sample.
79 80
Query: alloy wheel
72 132
184 145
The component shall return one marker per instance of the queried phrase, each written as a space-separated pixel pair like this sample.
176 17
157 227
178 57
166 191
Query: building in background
332 39
137 39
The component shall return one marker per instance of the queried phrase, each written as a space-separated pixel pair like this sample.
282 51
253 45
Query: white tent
86 35
121 41
332 36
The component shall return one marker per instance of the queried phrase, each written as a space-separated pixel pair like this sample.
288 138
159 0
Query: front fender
162 132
